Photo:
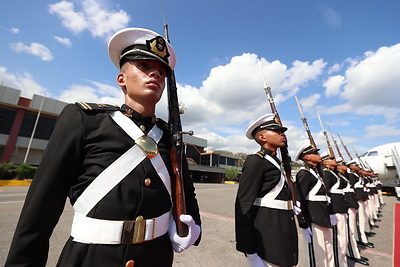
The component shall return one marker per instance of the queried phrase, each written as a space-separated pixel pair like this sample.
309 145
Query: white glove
307 234
180 244
296 208
333 219
254 260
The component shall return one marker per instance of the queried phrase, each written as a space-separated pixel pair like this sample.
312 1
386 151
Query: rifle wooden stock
175 126
178 194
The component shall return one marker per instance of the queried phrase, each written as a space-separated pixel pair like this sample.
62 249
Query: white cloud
99 21
23 82
98 93
233 95
374 80
331 16
335 68
64 41
35 49
333 85
369 85
376 131
309 103
14 30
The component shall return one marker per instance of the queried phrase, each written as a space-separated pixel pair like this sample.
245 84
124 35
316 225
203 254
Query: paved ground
218 243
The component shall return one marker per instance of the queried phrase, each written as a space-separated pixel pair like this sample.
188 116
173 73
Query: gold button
147 182
130 263
142 127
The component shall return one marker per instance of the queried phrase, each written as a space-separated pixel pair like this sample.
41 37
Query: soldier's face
142 81
274 138
314 158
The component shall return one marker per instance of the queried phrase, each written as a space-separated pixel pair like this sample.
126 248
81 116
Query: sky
341 59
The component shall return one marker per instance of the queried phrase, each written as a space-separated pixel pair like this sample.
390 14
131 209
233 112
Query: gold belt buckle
134 231
290 205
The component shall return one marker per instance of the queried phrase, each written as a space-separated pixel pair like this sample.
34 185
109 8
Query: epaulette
261 153
162 124
96 106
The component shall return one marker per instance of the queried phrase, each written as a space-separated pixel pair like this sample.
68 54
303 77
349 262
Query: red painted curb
396 239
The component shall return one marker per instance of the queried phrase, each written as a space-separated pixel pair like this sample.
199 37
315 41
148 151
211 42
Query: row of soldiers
337 204
353 199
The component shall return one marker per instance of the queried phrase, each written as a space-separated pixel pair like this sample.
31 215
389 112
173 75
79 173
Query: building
20 117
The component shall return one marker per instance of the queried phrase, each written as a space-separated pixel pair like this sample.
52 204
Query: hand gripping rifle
175 127
331 154
284 150
345 148
310 137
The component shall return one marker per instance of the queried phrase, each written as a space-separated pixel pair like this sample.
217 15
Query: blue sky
340 58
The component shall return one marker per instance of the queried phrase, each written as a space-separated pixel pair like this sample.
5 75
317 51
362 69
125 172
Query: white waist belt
96 231
317 198
349 190
336 191
273 203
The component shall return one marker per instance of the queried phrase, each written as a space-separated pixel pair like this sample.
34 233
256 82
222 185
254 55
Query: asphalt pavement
217 247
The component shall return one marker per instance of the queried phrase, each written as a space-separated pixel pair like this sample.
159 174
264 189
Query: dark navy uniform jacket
83 144
338 201
314 211
361 195
271 233
350 197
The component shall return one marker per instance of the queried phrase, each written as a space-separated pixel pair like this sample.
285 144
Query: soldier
352 249
335 185
357 181
114 165
265 228
315 205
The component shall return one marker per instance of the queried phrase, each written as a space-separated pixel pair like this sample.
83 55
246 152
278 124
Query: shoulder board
96 106
261 153
162 124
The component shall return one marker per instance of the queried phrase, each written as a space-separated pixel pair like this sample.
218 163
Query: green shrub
232 174
25 171
8 171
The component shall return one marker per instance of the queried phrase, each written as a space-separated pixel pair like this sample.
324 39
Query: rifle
310 137
336 145
176 152
305 124
331 154
363 164
345 148
284 150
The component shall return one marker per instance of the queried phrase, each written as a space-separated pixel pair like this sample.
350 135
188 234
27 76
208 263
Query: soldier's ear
121 81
